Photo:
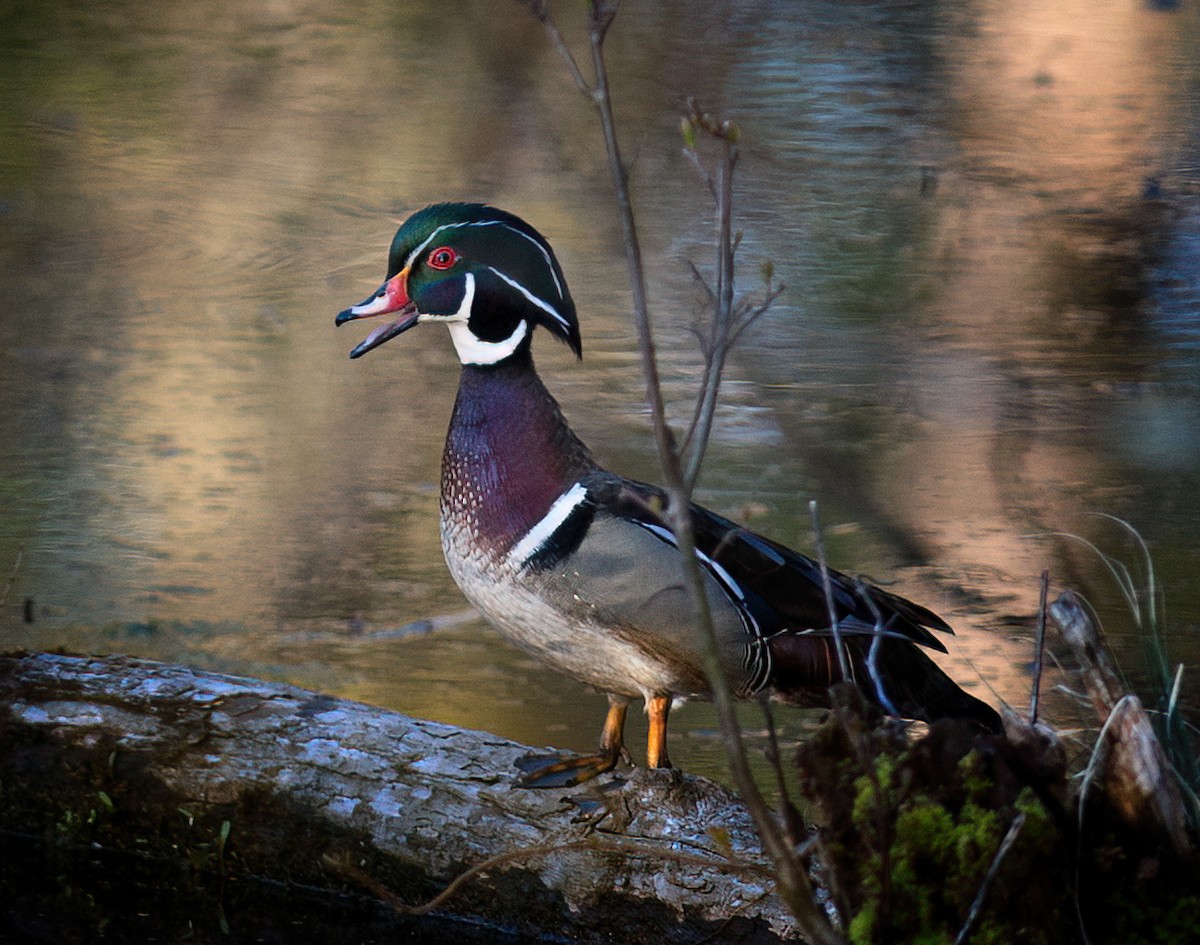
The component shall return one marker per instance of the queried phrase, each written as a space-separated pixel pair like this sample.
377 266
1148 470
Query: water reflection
985 214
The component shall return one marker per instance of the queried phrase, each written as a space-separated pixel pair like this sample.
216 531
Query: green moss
1148 913
862 925
926 860
913 830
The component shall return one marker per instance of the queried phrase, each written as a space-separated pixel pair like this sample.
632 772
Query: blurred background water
986 215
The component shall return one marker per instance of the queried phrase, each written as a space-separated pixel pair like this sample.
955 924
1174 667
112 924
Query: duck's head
487 274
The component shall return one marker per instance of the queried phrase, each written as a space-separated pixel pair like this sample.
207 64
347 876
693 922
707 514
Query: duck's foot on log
564 770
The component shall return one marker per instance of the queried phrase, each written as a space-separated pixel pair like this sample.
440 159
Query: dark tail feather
901 680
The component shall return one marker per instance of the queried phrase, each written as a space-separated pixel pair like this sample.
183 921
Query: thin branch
1040 651
701 281
880 631
827 585
794 885
749 314
541 11
726 133
789 815
600 21
693 157
795 888
353 872
1006 844
729 318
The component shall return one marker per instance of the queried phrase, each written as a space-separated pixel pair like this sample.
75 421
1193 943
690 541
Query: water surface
985 214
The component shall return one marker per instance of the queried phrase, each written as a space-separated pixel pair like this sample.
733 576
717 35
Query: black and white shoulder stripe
558 533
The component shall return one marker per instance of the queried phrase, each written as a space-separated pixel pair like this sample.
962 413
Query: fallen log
242 780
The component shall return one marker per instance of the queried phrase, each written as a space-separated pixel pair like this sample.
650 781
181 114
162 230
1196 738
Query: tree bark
238 778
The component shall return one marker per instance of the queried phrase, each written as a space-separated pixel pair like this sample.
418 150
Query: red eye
442 258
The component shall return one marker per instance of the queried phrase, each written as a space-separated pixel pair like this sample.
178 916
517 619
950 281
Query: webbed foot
560 771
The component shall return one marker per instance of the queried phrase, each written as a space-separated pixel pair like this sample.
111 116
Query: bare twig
726 134
702 282
350 870
834 627
1006 844
789 814
880 631
729 316
540 9
1039 651
749 314
601 19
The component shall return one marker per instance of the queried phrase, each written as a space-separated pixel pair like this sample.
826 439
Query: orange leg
556 771
612 736
657 707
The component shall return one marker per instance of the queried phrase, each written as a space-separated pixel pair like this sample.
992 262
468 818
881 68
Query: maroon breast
509 454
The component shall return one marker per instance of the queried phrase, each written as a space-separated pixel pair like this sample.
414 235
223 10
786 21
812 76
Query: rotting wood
264 779
1137 776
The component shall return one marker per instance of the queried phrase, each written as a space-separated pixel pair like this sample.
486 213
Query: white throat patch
470 347
474 350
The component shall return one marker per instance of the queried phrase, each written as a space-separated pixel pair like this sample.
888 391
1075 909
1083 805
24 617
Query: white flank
544 530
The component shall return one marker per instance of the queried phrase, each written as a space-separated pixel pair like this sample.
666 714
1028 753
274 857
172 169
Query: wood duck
577 565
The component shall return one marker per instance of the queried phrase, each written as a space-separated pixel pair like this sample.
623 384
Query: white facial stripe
412 257
545 255
464 307
544 306
536 538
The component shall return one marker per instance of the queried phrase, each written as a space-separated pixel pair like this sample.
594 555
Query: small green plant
932 857
934 841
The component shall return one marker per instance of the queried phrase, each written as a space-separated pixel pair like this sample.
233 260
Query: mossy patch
913 833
